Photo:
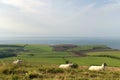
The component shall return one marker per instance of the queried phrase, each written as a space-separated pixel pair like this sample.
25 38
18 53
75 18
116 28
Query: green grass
44 54
113 53
39 48
82 61
44 63
87 61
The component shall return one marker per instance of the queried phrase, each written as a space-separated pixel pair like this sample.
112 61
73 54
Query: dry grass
52 72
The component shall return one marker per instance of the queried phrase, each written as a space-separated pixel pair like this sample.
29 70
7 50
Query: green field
44 54
45 57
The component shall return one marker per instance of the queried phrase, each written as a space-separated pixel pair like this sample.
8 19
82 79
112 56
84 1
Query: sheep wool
17 61
65 66
97 68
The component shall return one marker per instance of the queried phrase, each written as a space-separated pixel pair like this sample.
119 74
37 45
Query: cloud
13 26
27 5
95 21
61 17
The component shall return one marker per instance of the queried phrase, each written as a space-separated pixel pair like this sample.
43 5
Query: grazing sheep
98 68
18 61
64 66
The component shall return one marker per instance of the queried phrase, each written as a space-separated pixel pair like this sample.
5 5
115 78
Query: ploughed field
41 62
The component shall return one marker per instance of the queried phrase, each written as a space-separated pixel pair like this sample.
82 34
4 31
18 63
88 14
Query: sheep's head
104 64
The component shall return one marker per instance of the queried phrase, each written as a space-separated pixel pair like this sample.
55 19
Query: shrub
31 54
7 71
33 75
4 55
74 66
54 70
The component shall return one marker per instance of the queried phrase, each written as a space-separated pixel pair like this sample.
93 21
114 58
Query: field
41 62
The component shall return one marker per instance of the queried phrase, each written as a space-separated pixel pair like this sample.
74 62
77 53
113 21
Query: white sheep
18 61
98 68
65 66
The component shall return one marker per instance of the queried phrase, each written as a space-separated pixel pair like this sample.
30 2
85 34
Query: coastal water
111 42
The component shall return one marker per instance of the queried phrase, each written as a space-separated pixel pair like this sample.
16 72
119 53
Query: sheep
65 66
98 68
18 61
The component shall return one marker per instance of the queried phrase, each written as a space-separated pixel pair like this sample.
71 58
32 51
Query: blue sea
111 42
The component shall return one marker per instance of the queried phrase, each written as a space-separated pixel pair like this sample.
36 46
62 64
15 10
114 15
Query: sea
110 42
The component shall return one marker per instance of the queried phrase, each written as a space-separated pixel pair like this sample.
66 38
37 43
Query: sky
84 18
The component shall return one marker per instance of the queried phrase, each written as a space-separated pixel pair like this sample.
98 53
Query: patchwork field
41 62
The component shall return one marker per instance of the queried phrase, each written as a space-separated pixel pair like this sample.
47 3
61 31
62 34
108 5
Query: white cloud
87 20
11 25
27 5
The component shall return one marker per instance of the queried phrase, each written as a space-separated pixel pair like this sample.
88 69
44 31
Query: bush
31 54
34 75
8 71
53 70
74 66
3 55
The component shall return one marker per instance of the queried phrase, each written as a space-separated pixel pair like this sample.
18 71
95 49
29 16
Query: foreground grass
28 71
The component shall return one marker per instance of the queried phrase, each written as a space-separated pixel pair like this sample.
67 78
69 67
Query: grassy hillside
52 72
41 62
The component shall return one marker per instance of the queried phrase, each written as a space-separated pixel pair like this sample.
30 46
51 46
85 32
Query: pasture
41 62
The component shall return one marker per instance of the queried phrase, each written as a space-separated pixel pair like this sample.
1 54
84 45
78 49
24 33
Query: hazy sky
85 18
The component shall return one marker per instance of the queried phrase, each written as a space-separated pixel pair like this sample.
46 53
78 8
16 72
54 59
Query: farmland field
41 62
